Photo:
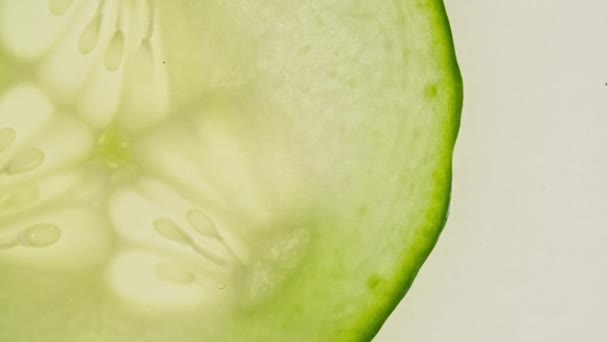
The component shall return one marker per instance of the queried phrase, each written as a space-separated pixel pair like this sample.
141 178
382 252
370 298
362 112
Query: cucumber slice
219 170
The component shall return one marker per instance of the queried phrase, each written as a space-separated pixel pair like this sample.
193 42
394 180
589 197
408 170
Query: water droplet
25 161
144 62
201 222
41 235
171 231
90 36
7 242
7 136
173 274
115 51
59 7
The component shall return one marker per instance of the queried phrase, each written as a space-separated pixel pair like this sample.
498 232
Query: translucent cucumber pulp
245 170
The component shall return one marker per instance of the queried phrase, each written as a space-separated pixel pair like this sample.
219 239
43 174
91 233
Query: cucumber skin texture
372 325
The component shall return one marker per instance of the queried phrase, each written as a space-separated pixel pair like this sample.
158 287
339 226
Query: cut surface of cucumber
219 170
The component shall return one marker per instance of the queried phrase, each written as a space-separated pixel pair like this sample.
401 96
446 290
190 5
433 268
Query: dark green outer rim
405 279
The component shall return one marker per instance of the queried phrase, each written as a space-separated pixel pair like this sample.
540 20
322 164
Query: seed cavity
41 235
144 62
173 274
90 35
115 51
205 226
171 231
59 7
7 137
210 256
201 223
149 21
25 161
144 58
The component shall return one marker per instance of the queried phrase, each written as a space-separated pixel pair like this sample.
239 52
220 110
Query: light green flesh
219 170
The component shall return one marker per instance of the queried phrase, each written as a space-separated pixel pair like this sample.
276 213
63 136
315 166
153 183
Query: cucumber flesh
219 171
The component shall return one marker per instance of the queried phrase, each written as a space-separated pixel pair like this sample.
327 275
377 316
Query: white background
524 256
